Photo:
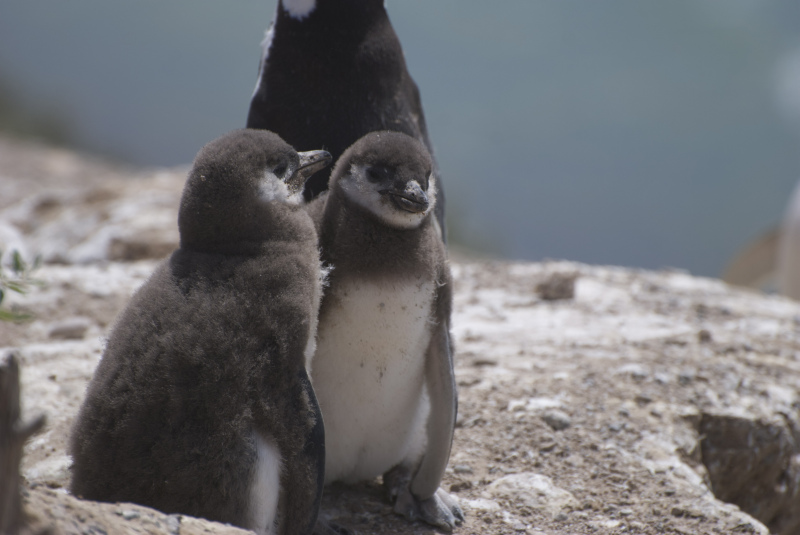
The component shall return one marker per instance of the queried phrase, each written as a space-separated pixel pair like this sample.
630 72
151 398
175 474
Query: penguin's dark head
235 187
303 10
390 175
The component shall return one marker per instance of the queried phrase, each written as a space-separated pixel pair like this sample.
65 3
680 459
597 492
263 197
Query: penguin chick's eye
376 174
280 170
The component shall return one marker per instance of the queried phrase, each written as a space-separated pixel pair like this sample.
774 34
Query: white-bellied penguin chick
383 371
201 403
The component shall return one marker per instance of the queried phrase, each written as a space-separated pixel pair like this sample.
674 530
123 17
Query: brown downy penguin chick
383 371
201 403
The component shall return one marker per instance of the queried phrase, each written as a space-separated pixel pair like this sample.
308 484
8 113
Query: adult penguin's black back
333 71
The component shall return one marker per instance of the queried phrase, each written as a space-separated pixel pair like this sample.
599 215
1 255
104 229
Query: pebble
174 524
462 469
635 370
704 336
461 486
557 286
661 378
71 329
686 377
129 515
557 420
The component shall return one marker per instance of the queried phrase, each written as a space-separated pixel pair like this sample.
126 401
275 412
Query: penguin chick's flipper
420 497
441 385
300 503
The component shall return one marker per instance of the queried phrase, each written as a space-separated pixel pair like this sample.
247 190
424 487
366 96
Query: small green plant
19 280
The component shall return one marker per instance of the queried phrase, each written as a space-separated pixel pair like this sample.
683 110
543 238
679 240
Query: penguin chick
201 403
383 370
331 72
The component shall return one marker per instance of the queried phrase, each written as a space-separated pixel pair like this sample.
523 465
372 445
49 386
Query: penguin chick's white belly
265 487
368 375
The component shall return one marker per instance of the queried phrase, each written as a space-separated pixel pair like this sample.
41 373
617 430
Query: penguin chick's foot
440 510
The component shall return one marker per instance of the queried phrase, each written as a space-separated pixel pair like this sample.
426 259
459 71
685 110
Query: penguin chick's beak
411 198
310 162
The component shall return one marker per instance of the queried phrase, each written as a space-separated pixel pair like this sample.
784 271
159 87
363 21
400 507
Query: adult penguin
332 71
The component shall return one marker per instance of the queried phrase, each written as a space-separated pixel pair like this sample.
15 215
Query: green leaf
7 315
19 281
18 264
15 286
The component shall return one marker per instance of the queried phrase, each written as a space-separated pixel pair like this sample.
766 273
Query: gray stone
755 464
558 420
462 469
557 286
70 329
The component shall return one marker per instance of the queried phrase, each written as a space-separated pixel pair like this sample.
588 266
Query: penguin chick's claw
451 502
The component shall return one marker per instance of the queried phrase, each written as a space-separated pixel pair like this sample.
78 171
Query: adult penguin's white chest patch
368 374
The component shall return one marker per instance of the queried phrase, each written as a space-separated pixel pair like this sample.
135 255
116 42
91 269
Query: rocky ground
592 399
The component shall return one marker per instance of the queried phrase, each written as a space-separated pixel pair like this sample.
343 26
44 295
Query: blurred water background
634 132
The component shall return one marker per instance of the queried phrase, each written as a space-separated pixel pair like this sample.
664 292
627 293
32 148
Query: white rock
534 490
481 504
